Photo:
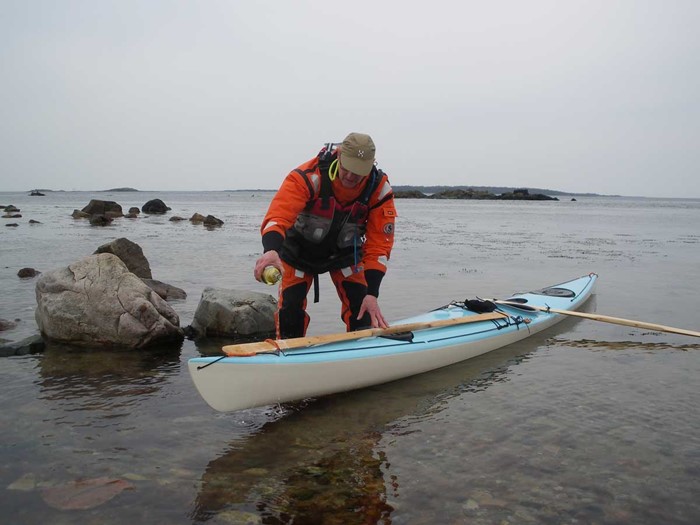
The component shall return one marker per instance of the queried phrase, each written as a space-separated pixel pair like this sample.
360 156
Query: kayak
337 363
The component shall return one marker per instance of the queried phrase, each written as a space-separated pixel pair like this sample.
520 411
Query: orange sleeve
288 202
380 228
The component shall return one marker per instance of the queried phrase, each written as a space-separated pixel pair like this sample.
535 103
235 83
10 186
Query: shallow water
585 423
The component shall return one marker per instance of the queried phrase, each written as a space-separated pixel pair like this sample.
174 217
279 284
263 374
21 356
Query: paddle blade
250 349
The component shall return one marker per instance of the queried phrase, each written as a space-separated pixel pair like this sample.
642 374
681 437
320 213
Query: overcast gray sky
594 96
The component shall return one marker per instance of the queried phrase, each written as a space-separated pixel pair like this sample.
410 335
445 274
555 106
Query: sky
582 96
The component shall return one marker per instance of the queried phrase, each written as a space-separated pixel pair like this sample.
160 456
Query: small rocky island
469 193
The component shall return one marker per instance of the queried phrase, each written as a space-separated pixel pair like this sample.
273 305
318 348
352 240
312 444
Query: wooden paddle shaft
249 349
605 319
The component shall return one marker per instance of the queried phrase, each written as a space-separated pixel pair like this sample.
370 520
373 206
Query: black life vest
326 234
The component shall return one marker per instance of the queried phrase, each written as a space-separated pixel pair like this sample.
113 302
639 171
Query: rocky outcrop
131 255
97 302
473 194
107 208
235 313
155 206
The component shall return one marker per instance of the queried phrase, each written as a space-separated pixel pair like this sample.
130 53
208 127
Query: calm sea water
585 423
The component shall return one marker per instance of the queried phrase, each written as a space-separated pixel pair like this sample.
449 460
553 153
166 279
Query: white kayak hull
235 383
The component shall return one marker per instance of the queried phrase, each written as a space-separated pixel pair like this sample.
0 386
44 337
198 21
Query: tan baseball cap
357 153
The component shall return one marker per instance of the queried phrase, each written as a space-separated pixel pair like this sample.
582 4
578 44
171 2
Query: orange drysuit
317 225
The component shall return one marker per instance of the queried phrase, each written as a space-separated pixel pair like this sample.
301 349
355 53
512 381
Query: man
334 213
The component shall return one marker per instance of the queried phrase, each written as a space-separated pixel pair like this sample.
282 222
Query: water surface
584 423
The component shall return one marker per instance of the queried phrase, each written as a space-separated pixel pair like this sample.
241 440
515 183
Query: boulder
25 273
97 301
197 218
211 221
131 254
77 214
235 313
100 207
166 291
155 206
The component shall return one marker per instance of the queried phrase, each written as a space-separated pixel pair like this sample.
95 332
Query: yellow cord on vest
333 170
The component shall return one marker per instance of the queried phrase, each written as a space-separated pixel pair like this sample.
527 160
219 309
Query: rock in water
97 301
235 313
131 254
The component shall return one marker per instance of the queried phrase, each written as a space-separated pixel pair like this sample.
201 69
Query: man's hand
371 305
271 258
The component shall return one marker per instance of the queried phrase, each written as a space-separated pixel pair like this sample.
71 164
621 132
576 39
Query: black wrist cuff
374 279
272 241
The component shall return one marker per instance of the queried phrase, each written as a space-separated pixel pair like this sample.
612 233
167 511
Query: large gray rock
235 313
97 301
131 254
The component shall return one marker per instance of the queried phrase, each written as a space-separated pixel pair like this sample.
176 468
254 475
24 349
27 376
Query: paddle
604 318
250 349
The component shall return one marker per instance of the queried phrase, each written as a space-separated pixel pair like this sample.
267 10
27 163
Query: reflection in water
97 379
320 464
606 346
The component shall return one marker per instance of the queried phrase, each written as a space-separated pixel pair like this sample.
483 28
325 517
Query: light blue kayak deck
564 296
